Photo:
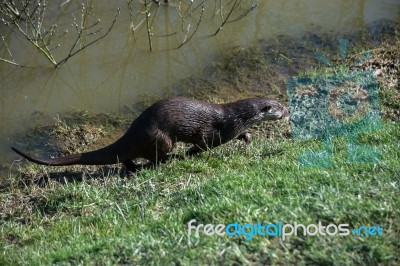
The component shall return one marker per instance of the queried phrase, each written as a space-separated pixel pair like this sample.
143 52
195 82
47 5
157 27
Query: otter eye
267 108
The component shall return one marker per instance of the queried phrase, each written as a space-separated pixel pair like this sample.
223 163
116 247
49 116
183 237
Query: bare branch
188 11
149 33
30 25
235 5
186 40
243 15
72 53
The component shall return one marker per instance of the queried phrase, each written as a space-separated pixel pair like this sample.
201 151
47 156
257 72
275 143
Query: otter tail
67 160
106 155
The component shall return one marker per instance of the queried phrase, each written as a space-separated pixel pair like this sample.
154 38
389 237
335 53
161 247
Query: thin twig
63 61
10 62
147 14
31 28
195 30
235 5
244 14
5 44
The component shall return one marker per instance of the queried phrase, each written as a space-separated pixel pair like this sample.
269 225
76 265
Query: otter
153 134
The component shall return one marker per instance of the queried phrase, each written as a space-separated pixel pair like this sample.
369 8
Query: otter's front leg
246 136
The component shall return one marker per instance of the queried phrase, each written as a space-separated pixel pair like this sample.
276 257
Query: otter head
266 109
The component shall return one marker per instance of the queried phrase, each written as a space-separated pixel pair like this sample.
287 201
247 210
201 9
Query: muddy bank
239 72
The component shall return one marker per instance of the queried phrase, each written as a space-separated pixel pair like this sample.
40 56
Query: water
119 69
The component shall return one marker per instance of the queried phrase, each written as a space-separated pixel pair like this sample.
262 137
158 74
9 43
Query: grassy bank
98 215
144 219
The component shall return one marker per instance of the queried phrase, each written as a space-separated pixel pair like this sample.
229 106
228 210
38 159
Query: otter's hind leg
130 166
162 146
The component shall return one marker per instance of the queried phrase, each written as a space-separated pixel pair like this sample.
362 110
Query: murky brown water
119 69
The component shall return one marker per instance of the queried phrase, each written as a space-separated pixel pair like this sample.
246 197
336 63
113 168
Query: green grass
143 219
99 216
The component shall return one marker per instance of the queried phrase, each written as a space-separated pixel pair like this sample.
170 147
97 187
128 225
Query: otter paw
246 136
